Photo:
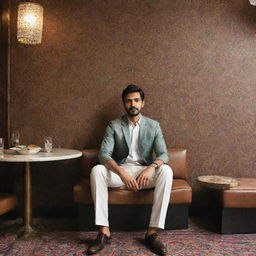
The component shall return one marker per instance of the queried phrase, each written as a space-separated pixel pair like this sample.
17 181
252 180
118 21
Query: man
127 161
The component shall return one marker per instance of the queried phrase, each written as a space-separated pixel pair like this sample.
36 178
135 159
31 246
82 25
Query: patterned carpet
57 239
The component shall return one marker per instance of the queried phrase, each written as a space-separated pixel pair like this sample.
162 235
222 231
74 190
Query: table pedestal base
26 232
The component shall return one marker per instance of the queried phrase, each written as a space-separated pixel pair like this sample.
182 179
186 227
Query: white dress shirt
134 156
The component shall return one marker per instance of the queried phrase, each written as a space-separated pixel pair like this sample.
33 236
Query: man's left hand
144 177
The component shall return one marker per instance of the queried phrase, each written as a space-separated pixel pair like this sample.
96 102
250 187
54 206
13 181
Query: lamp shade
30 23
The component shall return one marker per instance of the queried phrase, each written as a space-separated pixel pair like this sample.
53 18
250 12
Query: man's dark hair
133 88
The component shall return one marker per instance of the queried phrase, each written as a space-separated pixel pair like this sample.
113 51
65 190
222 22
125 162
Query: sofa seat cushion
181 194
7 202
242 196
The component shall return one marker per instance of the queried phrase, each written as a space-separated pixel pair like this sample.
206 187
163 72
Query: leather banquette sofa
129 210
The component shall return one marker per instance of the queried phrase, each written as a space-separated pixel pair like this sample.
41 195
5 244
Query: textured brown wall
195 60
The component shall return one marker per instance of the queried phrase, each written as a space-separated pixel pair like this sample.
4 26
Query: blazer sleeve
107 145
160 146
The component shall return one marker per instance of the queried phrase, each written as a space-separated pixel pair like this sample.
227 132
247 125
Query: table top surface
55 155
218 181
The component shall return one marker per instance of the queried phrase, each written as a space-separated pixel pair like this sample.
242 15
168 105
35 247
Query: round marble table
11 156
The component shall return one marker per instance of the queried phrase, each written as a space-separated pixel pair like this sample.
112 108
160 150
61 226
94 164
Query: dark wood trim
5 69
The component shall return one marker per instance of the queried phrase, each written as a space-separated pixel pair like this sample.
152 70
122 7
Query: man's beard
131 113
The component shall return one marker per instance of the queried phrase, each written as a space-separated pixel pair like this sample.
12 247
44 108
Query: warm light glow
30 23
30 19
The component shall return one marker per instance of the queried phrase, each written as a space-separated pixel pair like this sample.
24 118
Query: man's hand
144 177
128 180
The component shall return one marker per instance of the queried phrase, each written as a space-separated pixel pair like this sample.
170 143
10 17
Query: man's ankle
105 231
151 230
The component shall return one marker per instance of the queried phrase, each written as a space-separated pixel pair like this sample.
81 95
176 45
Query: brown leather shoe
99 243
155 244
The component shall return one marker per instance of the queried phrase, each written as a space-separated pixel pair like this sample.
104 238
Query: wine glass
1 146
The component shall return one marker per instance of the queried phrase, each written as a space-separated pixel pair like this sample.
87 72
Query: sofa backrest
178 162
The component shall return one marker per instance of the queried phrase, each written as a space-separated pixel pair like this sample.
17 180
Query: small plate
19 147
25 151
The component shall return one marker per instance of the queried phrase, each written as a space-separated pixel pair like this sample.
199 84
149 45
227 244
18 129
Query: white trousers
161 180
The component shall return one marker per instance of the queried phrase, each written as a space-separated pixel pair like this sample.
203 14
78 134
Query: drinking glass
1 146
15 140
48 144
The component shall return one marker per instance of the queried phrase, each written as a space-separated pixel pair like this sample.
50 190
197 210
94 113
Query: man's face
133 103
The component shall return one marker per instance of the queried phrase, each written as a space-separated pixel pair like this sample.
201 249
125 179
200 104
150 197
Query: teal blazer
116 142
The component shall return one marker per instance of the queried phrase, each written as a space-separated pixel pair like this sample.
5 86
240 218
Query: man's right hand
128 180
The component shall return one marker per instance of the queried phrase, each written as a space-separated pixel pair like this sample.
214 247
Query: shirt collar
132 124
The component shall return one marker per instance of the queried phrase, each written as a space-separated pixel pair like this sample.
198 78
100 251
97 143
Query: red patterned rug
193 241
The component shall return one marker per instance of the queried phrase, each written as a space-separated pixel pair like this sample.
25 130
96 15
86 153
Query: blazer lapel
143 129
126 131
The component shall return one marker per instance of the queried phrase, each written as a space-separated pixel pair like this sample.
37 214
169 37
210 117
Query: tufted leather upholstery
181 190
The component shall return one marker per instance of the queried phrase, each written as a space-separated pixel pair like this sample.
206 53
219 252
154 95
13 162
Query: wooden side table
217 181
223 218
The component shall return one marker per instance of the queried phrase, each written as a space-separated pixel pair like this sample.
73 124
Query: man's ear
143 103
